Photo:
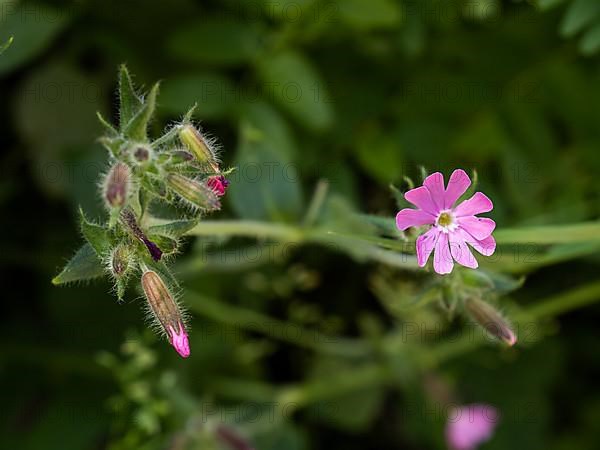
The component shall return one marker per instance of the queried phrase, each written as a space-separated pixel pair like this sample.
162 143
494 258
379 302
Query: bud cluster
180 169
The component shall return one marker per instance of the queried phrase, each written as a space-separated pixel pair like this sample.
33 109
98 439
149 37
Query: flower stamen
445 221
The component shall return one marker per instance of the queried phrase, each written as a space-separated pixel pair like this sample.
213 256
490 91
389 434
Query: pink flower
218 183
470 425
452 226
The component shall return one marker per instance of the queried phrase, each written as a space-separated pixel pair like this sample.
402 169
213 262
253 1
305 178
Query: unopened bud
181 156
117 185
130 221
119 261
218 184
198 145
196 193
489 318
163 307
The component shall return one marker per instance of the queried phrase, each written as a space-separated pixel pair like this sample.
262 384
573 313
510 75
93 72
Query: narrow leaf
85 265
129 101
96 235
176 228
136 128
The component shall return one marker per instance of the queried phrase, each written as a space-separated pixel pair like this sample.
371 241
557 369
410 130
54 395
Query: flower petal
425 245
470 425
435 184
413 218
421 198
442 261
486 246
478 227
458 184
460 251
477 204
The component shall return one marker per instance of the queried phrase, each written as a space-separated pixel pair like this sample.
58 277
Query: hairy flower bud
119 261
130 221
163 307
196 193
198 145
117 185
490 319
181 156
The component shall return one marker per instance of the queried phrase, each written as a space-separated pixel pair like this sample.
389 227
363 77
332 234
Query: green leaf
129 102
33 27
137 128
580 14
96 235
379 153
4 46
590 42
352 411
215 41
548 4
265 185
285 436
266 118
166 244
176 228
298 88
372 14
85 265
107 126
214 93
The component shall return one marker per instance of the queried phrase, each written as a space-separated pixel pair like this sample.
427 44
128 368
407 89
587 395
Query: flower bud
218 184
128 218
490 319
198 145
163 307
119 261
196 193
117 185
181 156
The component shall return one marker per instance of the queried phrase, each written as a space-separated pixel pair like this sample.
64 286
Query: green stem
375 374
247 228
251 320
551 234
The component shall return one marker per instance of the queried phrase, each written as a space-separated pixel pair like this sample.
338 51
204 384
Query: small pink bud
179 340
470 425
491 320
165 309
117 185
218 183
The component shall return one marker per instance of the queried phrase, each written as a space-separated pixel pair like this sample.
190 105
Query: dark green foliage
311 326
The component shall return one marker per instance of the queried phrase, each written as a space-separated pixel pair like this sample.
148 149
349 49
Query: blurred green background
358 92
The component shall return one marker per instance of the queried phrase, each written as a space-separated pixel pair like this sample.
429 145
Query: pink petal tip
180 341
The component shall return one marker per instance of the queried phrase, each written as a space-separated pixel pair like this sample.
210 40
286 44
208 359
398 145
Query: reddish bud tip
117 185
218 183
179 340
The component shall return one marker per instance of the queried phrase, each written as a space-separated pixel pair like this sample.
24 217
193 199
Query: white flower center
446 221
